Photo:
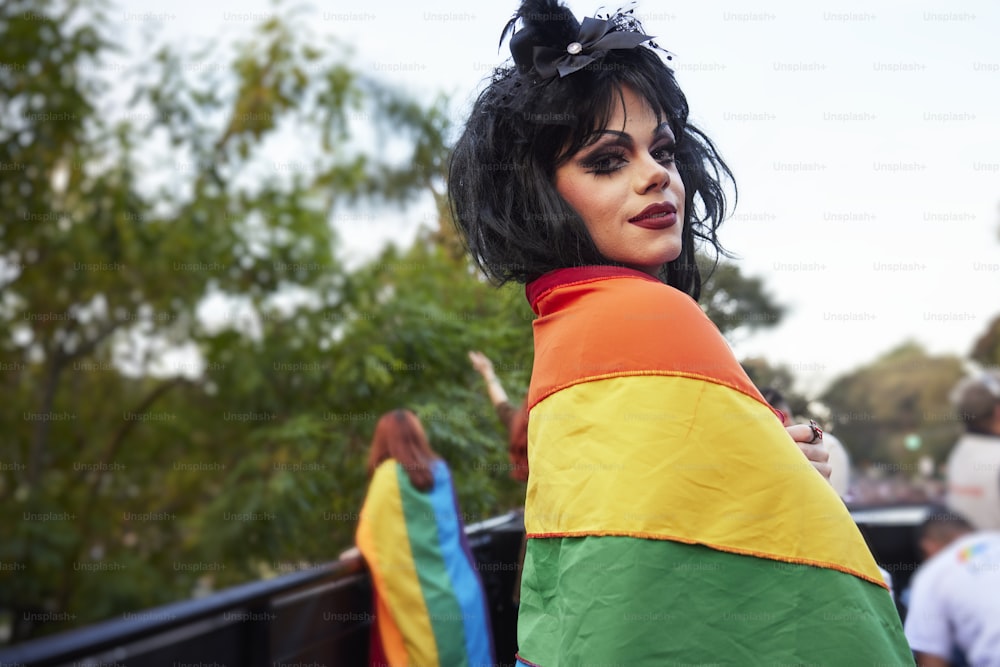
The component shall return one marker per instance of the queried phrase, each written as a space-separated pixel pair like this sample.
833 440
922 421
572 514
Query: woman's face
626 188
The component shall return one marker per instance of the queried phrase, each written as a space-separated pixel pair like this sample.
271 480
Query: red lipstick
656 216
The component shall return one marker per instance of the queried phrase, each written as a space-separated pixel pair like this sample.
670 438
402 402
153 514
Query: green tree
118 462
902 393
737 304
778 376
986 348
401 341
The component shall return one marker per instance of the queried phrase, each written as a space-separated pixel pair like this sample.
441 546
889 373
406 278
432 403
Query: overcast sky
865 139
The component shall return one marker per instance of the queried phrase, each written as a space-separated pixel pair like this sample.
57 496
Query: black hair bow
595 39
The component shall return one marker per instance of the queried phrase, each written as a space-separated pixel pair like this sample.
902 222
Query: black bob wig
522 127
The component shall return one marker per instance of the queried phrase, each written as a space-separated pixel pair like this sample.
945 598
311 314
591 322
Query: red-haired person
430 608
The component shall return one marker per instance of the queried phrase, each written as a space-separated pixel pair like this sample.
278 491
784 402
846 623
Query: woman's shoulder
385 469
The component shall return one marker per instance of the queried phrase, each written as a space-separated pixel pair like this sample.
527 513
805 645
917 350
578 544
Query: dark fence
318 617
322 617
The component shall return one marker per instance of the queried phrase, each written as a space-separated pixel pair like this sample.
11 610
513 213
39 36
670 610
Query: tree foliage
777 376
737 304
901 394
986 349
192 373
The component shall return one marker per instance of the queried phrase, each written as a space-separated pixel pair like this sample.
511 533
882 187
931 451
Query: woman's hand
813 447
484 367
353 552
481 363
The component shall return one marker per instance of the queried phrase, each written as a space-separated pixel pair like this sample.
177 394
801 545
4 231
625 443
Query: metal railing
319 617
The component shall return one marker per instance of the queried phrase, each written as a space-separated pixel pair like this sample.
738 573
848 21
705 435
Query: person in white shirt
974 463
954 611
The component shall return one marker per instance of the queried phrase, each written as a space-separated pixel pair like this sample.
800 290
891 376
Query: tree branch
110 452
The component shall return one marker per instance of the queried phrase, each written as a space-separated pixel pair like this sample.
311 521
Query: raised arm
484 367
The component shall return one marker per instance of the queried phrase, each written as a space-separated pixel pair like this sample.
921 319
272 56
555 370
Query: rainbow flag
671 519
430 609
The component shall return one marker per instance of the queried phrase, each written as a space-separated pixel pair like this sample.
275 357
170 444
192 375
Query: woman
429 603
671 518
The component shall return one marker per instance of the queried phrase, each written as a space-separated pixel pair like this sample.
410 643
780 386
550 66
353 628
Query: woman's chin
654 268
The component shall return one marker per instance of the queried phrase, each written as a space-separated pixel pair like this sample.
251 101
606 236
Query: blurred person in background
974 463
513 418
954 602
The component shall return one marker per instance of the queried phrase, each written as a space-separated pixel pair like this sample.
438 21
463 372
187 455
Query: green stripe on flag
628 601
442 605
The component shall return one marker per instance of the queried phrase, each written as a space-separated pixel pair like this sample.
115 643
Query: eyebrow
624 138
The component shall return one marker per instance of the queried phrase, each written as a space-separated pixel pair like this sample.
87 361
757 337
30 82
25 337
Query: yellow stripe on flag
726 474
